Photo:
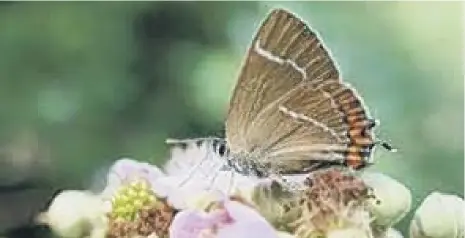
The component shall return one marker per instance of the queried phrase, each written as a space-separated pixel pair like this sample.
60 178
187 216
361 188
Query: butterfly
290 111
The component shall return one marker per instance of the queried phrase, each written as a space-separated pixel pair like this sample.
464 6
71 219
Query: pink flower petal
242 213
189 224
247 230
128 170
247 223
235 221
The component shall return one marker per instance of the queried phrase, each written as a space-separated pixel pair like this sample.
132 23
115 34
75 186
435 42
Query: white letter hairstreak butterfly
290 112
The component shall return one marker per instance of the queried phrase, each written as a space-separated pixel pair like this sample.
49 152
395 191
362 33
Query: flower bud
392 199
439 216
393 233
74 214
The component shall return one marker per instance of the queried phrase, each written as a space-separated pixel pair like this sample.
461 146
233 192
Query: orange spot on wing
354 110
364 141
362 123
353 118
355 132
348 100
354 160
353 149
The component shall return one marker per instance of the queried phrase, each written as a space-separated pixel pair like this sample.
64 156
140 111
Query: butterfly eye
222 149
219 146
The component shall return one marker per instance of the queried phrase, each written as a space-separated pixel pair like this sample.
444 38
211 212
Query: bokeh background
85 83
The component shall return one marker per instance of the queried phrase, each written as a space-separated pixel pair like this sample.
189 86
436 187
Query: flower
196 165
193 198
229 219
136 208
137 211
136 188
332 204
126 170
439 216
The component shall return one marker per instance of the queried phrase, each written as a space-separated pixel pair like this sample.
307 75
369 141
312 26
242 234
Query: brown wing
286 105
331 126
358 120
308 128
283 42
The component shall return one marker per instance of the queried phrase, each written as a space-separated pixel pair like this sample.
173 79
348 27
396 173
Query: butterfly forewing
289 107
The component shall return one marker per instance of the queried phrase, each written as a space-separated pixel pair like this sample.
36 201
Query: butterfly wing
332 128
269 72
284 108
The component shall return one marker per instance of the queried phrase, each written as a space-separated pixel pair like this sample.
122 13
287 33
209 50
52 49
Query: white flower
125 171
190 178
73 214
194 169
199 164
393 199
439 216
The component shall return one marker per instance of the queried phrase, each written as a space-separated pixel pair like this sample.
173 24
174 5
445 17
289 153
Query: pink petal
235 221
247 223
128 170
247 230
189 224
242 213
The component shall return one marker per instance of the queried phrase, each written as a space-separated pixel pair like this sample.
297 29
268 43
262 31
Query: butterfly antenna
386 145
171 141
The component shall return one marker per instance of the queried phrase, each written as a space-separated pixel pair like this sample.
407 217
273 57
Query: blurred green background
85 83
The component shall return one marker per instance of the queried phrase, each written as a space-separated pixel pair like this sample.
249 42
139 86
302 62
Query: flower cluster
190 197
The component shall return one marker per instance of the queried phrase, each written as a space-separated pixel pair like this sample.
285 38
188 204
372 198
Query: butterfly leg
210 145
194 169
218 170
231 183
212 181
386 146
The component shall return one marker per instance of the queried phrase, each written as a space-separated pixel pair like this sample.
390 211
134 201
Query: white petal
393 199
127 170
74 213
439 216
393 233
